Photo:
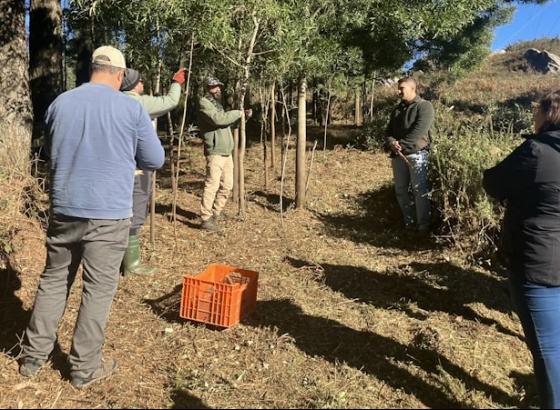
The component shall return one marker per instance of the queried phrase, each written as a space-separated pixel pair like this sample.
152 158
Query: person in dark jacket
408 141
215 127
527 183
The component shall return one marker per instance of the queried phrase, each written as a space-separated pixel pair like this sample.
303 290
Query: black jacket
529 181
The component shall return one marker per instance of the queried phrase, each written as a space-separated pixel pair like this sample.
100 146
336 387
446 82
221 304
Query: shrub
513 118
458 160
370 136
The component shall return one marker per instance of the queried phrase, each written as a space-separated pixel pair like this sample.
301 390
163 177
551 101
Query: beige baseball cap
107 55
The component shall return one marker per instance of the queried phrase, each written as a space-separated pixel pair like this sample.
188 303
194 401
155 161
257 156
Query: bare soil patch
351 312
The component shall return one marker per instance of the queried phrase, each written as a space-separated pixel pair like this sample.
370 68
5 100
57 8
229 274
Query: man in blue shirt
95 137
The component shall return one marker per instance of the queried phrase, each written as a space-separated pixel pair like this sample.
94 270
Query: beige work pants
217 185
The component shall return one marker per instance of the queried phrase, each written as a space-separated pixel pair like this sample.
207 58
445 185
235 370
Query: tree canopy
357 37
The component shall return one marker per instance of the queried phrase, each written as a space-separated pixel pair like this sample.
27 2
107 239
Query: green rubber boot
132 261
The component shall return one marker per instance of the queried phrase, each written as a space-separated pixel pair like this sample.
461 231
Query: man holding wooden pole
408 141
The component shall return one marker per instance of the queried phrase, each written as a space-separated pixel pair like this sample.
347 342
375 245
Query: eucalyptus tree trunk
285 123
235 190
372 100
301 143
84 50
45 60
242 133
16 116
273 125
327 120
157 91
264 102
357 106
315 108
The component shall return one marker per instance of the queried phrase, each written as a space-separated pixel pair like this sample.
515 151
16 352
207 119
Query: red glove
179 76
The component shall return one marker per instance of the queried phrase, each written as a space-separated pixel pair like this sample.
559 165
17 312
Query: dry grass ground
351 312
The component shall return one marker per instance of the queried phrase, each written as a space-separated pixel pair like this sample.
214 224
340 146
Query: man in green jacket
214 124
133 86
408 140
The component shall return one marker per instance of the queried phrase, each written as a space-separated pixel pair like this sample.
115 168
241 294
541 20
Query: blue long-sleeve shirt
96 137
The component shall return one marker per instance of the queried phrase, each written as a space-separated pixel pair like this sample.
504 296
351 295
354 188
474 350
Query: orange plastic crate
219 296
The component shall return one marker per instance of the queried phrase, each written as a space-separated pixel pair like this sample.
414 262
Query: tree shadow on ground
188 218
371 353
527 382
14 320
336 135
271 201
183 400
193 181
379 222
167 306
431 287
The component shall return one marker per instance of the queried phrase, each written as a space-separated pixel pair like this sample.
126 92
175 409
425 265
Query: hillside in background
500 91
504 85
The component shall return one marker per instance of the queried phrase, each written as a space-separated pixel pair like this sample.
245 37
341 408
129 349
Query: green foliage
513 118
371 136
465 50
316 37
458 159
5 246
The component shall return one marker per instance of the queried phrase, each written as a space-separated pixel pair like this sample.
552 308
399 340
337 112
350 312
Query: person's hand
248 113
396 147
179 76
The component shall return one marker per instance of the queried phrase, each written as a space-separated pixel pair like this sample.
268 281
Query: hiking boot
106 368
423 233
211 225
30 366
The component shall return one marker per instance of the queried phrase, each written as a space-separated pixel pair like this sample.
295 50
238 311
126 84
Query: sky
530 22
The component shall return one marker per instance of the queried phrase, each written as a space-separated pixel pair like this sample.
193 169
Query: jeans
217 185
538 308
411 187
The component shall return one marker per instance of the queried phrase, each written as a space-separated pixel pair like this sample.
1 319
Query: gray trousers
99 246
140 200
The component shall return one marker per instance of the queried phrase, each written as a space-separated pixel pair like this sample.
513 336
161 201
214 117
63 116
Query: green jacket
410 124
157 106
214 124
